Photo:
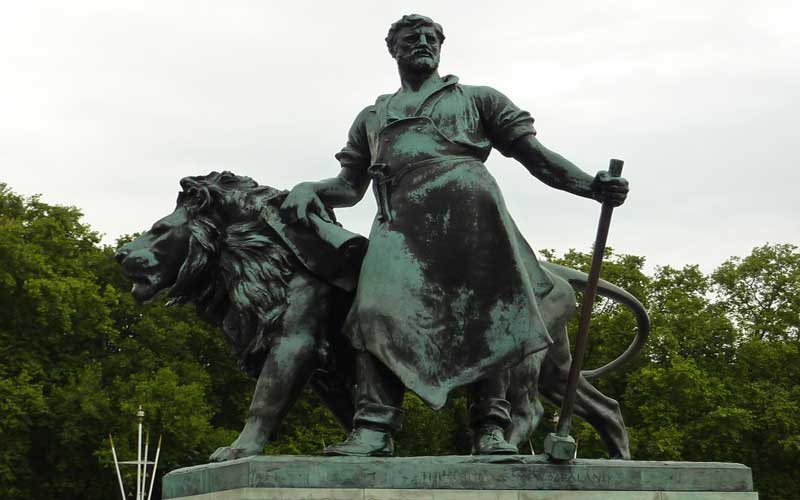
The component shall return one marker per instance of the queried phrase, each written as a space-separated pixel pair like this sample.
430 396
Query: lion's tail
578 281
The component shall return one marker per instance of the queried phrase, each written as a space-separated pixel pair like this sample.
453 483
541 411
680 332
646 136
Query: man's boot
488 418
363 442
379 413
488 439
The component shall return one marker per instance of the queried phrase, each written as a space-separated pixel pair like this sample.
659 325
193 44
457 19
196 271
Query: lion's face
153 260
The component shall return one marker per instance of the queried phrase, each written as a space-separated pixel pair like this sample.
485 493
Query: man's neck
416 81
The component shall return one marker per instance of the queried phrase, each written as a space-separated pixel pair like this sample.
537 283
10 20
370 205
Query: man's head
415 42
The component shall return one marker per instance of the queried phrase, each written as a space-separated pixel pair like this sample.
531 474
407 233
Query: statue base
515 477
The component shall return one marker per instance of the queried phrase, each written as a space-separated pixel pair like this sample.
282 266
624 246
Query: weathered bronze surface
449 293
446 293
280 294
516 472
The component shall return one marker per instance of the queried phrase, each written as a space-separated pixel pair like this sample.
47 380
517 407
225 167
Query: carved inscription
593 478
433 479
529 477
305 497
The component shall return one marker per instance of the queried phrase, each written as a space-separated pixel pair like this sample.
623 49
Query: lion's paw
226 453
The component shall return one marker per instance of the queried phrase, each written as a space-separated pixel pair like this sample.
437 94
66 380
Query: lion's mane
237 269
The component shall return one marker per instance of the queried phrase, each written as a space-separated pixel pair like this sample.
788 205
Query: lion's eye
158 228
195 198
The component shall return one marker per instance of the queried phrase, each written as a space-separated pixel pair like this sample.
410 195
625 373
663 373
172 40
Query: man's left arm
558 172
511 131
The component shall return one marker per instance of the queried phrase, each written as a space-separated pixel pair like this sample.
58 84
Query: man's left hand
608 189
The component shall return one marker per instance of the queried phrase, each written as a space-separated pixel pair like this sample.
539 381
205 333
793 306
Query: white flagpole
116 465
144 464
155 466
140 415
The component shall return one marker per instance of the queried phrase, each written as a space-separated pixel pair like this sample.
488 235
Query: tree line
717 380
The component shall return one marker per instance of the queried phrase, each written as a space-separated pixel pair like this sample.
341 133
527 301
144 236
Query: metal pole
561 446
155 466
116 465
140 416
144 463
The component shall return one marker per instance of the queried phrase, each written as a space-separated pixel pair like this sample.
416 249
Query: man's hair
412 21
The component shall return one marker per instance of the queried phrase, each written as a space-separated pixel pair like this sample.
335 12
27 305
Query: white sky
106 105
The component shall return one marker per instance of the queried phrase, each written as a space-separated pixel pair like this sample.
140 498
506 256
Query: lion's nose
121 254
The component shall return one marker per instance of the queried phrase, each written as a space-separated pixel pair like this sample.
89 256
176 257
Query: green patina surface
447 293
388 494
517 472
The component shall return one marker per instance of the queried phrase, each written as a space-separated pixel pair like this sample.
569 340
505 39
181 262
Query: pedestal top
515 472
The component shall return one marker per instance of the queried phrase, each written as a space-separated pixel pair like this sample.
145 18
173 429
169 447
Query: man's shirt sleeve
355 154
502 120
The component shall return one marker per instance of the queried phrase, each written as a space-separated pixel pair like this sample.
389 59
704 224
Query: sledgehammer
560 446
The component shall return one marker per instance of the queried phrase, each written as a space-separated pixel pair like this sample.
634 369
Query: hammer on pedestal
560 446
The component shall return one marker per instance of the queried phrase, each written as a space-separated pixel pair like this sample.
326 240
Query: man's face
417 49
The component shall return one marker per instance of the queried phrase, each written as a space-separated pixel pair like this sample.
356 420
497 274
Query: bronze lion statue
280 296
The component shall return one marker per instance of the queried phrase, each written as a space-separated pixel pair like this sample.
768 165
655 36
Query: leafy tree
717 380
79 356
762 292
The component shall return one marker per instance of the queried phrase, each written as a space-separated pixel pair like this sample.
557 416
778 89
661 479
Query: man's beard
420 65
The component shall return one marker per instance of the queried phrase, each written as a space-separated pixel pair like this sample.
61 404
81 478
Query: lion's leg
283 377
523 394
287 368
337 396
601 411
526 407
604 414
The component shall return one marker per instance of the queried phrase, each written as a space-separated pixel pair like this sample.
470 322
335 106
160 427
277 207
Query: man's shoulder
379 101
479 90
372 108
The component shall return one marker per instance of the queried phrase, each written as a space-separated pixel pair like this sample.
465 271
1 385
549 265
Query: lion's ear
195 197
203 197
203 243
191 274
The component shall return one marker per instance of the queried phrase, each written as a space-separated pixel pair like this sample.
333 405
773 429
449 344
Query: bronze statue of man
447 295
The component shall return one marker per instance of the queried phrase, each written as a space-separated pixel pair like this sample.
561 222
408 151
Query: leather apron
447 290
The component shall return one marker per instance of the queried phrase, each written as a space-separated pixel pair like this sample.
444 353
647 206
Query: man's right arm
344 190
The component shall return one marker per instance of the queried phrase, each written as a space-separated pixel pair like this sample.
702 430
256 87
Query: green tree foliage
77 357
761 292
717 380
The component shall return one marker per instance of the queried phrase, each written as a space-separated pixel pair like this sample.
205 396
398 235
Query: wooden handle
615 167
568 403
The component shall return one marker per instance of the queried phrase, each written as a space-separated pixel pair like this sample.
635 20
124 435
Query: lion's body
546 373
283 322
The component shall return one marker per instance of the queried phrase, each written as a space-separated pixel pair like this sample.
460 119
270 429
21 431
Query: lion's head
215 251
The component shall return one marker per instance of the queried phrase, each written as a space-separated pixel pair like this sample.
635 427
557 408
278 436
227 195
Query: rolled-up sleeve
502 120
355 154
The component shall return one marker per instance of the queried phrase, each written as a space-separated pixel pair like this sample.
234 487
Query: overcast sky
106 105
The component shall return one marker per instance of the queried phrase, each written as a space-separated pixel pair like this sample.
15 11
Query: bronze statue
280 293
448 290
225 250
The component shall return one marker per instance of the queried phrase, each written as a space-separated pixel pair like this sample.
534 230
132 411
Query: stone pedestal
519 477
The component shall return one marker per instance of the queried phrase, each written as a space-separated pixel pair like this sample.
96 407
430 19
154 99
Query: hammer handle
589 293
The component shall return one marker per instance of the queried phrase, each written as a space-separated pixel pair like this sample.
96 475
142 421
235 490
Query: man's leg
379 410
489 415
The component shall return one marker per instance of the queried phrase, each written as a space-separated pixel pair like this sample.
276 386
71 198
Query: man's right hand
301 202
609 189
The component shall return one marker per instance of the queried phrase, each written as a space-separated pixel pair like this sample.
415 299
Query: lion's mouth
145 287
143 291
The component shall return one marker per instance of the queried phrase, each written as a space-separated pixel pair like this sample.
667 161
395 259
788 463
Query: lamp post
143 492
